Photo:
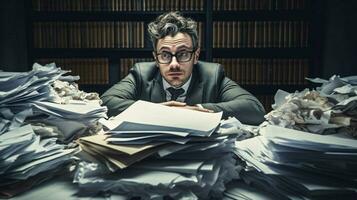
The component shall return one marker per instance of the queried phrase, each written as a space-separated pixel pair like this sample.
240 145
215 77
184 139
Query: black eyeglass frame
172 55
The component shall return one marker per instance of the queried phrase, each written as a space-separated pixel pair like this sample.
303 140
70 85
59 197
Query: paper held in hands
146 116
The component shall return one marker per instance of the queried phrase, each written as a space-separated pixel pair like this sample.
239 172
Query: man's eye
165 55
182 54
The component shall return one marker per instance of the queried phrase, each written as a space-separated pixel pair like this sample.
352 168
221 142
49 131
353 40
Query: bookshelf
263 44
266 45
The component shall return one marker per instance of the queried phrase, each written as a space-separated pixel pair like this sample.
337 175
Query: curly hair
172 23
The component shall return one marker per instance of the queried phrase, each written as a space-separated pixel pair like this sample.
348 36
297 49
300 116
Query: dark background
338 42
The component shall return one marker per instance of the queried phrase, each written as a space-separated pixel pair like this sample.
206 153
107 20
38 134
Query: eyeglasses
165 57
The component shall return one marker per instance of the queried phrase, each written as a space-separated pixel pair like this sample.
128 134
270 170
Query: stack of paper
31 97
298 165
153 150
23 155
37 120
73 119
28 86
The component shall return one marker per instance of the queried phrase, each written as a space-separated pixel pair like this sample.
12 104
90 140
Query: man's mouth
175 73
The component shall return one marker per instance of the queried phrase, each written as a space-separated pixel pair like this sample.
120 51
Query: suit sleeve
121 95
237 102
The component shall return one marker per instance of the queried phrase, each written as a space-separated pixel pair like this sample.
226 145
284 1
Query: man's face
177 70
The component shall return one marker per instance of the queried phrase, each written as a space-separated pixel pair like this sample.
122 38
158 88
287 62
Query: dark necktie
175 92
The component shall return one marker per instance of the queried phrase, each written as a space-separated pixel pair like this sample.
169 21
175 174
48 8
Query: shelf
261 15
92 52
261 52
108 16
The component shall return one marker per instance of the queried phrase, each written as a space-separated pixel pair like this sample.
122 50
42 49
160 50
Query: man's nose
174 64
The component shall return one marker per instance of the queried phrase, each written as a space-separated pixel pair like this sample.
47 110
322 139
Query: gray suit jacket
209 87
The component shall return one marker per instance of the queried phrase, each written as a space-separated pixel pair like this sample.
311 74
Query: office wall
339 55
13 43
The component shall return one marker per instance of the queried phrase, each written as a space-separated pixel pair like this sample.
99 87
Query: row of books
267 101
119 34
90 70
127 63
273 71
117 5
88 34
234 5
260 34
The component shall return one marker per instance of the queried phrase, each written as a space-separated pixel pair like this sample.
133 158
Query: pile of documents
44 98
293 164
152 151
72 120
27 159
37 120
331 108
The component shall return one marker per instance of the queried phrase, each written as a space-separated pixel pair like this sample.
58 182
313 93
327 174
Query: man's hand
185 106
198 109
173 103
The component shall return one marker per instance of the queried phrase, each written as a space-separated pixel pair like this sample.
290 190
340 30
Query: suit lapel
195 90
157 91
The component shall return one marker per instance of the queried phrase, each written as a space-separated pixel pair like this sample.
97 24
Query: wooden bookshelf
266 45
263 45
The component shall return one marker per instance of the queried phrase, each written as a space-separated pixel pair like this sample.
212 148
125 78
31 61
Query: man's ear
197 55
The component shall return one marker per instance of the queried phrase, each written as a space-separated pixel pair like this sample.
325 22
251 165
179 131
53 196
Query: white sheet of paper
148 113
271 131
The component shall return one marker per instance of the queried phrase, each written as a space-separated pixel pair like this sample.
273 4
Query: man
178 79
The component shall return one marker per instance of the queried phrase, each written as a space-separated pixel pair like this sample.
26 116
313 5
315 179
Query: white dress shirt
182 97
